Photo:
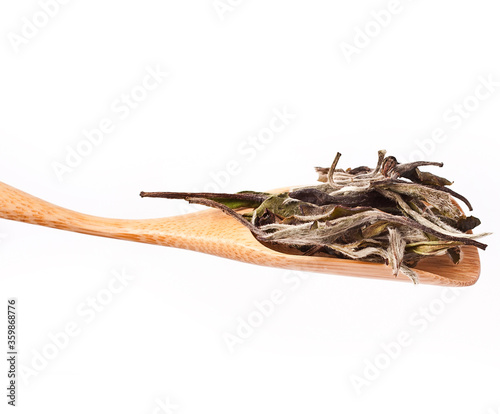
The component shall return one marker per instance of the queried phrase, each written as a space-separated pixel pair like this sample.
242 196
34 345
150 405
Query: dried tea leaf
395 250
455 254
431 247
375 229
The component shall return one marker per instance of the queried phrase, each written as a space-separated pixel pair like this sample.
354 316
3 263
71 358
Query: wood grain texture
215 233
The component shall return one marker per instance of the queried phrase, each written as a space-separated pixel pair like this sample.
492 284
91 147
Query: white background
162 337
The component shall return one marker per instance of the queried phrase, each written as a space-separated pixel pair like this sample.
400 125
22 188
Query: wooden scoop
213 232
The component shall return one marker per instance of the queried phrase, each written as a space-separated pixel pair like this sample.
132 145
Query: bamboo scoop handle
208 231
20 206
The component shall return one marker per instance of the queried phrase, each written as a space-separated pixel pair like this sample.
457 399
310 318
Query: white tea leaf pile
394 214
